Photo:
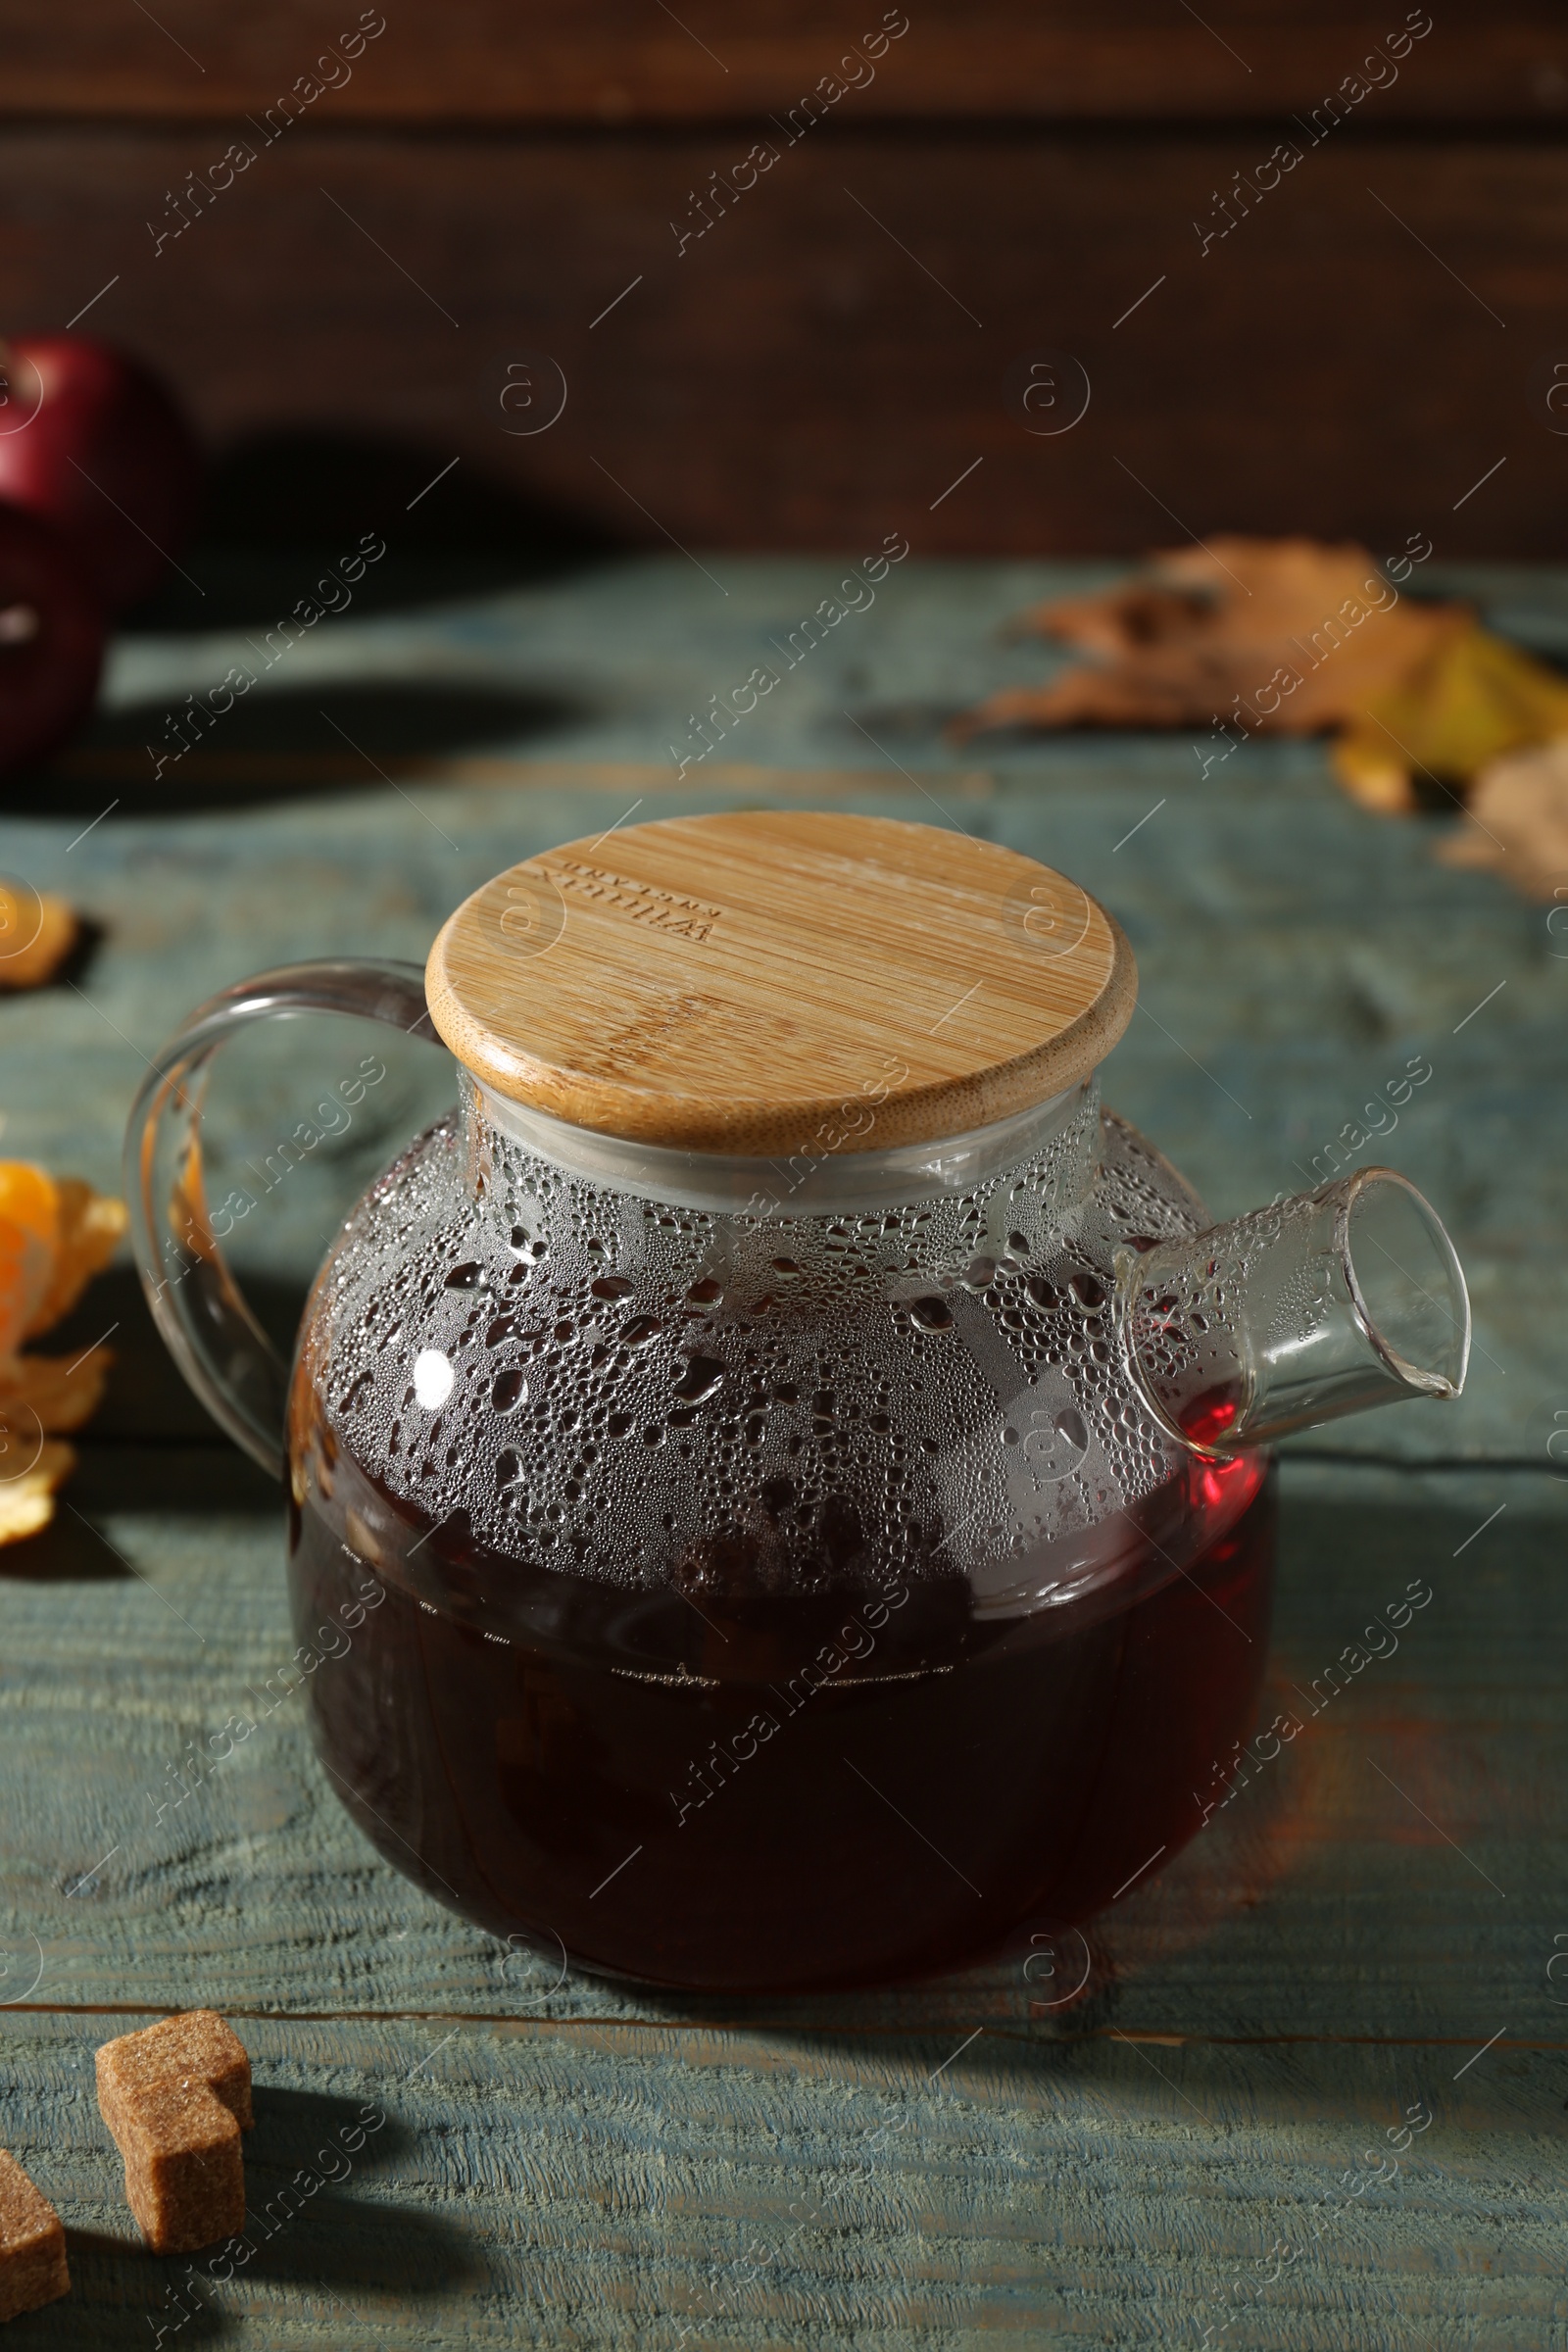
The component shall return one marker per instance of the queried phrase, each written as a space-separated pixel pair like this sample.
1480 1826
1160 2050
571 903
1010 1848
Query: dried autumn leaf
1517 823
1473 699
37 935
1284 635
1287 637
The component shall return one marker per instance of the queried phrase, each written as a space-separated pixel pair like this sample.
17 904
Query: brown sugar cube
184 2176
197 2044
32 2244
176 2096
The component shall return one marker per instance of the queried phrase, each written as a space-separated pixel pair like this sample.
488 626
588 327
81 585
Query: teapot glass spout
1329 1303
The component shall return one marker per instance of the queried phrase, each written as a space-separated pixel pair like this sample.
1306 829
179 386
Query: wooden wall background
1352 357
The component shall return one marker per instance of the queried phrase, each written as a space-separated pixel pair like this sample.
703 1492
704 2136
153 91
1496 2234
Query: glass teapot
789 1470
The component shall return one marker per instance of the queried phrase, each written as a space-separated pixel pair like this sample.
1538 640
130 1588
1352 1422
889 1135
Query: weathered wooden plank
1174 2152
1293 951
609 2186
1326 1900
822 364
608 65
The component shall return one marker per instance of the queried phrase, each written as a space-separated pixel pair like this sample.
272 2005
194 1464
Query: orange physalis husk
55 1234
60 1392
37 935
28 1498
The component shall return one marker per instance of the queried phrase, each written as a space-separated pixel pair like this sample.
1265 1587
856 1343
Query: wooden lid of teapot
743 983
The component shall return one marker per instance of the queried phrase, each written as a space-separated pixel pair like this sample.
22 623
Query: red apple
51 640
90 440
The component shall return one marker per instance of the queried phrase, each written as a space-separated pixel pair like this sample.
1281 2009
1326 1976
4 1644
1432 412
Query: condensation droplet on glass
931 1314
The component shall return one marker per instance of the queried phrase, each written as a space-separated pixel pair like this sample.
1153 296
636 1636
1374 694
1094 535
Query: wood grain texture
299 768
921 2166
1172 2152
822 366
1325 1902
416 2183
756 983
1293 951
613 63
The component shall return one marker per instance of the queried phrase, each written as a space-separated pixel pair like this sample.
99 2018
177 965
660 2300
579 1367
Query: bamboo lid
753 982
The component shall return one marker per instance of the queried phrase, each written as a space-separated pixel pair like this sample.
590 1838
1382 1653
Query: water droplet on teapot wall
931 1314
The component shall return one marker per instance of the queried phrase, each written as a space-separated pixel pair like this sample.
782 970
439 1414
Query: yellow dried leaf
47 929
1473 699
1373 773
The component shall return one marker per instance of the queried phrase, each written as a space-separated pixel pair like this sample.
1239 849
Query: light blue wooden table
1215 2139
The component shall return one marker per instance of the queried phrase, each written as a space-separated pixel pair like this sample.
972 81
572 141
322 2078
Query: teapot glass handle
206 1324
